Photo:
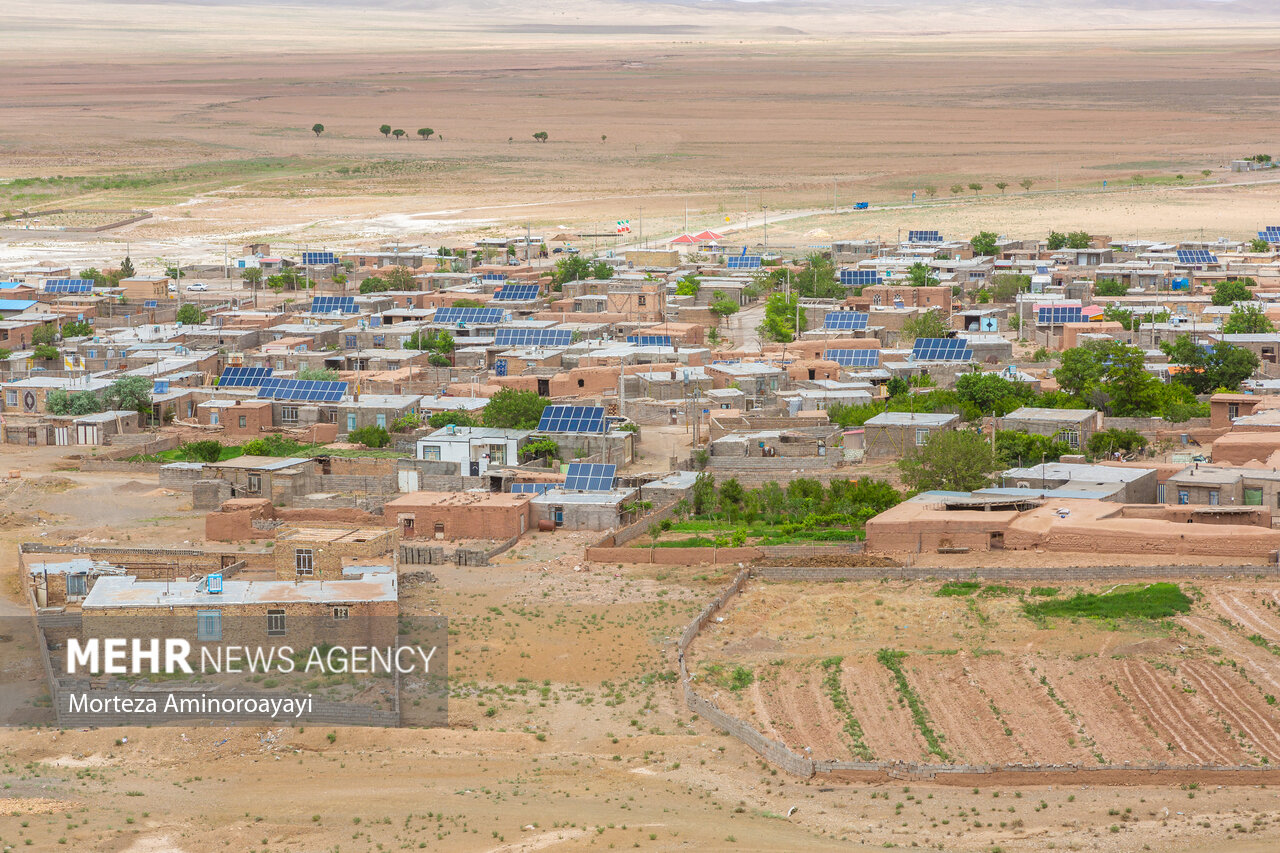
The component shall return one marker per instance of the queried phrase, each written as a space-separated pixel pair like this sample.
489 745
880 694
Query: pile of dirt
835 561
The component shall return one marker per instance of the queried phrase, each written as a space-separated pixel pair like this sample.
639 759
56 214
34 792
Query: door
351 422
557 513
61 436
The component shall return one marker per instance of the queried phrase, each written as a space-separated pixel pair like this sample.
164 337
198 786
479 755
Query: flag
624 226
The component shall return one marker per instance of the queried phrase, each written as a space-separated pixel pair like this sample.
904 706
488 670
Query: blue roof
10 285
16 304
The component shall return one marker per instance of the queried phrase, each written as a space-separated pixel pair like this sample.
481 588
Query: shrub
370 436
202 451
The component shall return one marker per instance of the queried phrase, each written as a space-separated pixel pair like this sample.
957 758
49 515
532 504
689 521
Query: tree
1006 286
722 306
126 268
1259 246
385 130
1109 287
1002 186
731 497
317 128
1247 320
45 352
44 334
928 324
955 460
190 314
1057 240
703 493
991 393
374 284
129 393
76 329
542 448
689 285
931 191
467 303
541 136
60 402
1016 449
1227 292
570 268
1108 441
984 243
819 279
400 278
921 274
1079 240
454 417
513 409
956 189
897 385
1026 184
370 436
780 318
976 187
317 374
602 270
251 276
398 133
207 450
425 132
1110 376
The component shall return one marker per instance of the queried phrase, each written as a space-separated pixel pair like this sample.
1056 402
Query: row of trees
840 503
932 191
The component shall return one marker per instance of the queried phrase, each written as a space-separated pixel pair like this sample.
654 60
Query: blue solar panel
924 237
743 262
334 305
469 315
858 278
1056 315
650 340
854 357
68 285
1269 235
590 477
243 377
307 390
941 349
852 320
572 419
533 337
1196 256
318 259
494 276
532 488
517 292
151 303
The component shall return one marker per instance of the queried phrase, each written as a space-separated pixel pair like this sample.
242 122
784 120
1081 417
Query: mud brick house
1073 427
362 612
897 433
459 515
319 553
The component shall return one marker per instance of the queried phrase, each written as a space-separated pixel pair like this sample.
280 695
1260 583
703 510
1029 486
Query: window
93 353
1183 497
431 452
341 614
379 340
303 561
1233 410
381 420
641 300
922 437
1071 437
351 421
208 625
77 585
351 341
214 417
11 398
1159 493
255 483
275 623
1213 499
439 528
244 421
288 414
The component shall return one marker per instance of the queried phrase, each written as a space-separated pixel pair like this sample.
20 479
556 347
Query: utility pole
765 207
835 184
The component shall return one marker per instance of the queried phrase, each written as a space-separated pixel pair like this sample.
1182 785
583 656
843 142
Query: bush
1111 440
190 314
370 436
45 352
456 417
318 374
1155 601
271 445
202 451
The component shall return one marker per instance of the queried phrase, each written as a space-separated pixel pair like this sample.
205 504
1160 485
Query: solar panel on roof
1058 314
533 337
68 285
941 349
334 305
924 237
243 377
318 259
532 488
1196 256
590 477
151 303
517 292
865 357
494 276
303 390
858 278
743 262
572 419
650 340
468 315
851 320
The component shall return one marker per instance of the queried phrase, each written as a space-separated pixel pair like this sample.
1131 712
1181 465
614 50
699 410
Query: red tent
685 238
708 235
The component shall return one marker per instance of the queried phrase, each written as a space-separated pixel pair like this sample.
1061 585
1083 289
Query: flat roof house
891 434
1074 427
459 515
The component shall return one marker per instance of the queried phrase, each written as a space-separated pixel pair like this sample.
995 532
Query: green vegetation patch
1156 601
835 690
958 588
892 661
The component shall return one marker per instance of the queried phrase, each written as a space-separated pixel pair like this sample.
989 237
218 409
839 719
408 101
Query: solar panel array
1196 256
854 357
494 276
941 349
743 262
650 340
517 292
1055 315
308 390
243 377
857 278
533 337
590 477
572 419
68 285
852 320
924 237
318 259
334 305
532 488
1270 233
151 303
469 315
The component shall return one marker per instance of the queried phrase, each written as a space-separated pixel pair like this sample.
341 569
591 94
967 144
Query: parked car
173 288
197 287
